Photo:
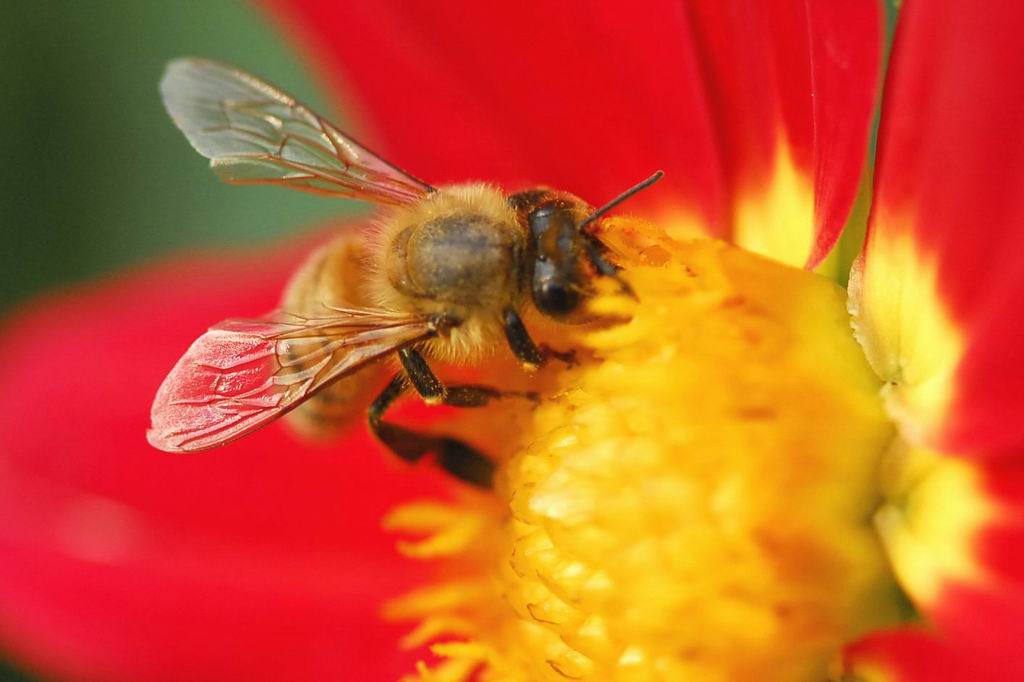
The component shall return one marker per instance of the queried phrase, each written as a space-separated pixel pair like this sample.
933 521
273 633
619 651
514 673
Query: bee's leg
606 269
454 456
434 392
526 351
457 458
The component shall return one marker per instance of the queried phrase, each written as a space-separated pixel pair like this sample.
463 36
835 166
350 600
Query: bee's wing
242 374
255 134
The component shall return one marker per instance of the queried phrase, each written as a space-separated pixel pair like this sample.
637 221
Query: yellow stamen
696 502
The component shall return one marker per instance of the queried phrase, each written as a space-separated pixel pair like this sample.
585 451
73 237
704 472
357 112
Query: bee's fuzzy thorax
419 268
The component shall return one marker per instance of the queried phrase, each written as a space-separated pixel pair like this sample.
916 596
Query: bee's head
566 256
561 280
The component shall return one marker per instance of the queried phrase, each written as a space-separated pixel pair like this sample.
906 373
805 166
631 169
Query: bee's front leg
606 269
529 354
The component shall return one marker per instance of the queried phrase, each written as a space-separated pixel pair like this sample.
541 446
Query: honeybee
444 275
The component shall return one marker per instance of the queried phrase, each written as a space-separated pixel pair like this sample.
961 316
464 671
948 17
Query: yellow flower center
694 503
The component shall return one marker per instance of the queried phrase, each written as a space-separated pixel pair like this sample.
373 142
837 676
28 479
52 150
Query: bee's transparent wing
255 134
242 374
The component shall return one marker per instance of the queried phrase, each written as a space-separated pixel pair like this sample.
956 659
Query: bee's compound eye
556 300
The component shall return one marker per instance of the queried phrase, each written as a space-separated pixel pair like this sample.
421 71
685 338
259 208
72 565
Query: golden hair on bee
458 252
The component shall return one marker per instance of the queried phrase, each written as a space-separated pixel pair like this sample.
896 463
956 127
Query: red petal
846 52
586 96
919 656
591 96
793 88
948 203
263 560
988 613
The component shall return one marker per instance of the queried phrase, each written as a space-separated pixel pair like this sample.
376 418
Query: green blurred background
95 176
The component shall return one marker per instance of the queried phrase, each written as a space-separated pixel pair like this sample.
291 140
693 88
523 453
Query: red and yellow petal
917 655
939 292
953 529
119 562
793 92
588 96
986 611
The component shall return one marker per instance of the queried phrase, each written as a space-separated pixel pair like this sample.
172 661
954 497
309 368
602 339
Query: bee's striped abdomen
332 276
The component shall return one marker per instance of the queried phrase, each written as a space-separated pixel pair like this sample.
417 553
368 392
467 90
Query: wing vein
251 132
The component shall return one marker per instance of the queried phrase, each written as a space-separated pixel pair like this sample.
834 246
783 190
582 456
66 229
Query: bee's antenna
639 187
593 248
